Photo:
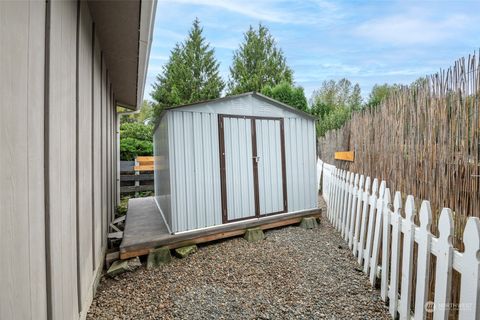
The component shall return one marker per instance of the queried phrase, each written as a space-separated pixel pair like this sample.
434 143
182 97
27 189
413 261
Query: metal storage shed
231 159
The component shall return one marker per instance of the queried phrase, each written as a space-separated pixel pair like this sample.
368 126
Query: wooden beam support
202 236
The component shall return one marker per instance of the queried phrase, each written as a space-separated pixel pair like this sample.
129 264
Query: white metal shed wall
300 153
162 169
195 170
194 159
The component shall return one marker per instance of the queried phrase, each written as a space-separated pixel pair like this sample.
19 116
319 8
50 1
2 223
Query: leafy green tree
333 120
136 139
145 114
287 93
258 63
190 75
378 94
334 103
334 94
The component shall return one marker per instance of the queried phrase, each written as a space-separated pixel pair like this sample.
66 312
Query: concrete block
158 257
185 251
308 223
254 234
121 266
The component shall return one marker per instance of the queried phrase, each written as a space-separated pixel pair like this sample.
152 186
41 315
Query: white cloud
412 28
273 11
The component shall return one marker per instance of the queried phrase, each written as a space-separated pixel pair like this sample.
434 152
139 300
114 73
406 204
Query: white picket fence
361 210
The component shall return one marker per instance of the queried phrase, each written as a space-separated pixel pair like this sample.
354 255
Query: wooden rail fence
138 172
383 241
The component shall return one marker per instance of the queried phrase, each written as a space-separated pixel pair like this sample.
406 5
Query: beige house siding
22 227
58 142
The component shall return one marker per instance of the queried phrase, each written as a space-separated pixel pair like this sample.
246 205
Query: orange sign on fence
345 155
144 164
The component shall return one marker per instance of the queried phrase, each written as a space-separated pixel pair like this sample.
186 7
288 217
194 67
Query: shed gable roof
253 94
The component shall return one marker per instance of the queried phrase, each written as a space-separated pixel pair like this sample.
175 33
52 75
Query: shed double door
252 165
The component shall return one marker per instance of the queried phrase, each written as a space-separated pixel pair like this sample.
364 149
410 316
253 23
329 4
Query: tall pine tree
258 63
190 75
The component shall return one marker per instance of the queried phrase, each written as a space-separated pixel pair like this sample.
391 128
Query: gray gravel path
292 274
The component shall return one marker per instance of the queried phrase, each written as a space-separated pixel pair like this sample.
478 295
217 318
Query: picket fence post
347 206
357 215
366 198
344 202
377 234
385 245
395 265
423 260
371 217
331 209
443 272
407 257
470 283
353 211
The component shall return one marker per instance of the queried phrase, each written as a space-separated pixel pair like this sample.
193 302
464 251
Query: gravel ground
292 274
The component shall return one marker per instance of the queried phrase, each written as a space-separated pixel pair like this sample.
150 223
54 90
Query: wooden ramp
145 228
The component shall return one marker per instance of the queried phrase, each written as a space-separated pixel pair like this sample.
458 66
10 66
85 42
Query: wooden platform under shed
145 228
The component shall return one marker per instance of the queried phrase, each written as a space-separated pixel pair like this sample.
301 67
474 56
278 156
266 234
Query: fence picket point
470 284
407 257
443 274
423 260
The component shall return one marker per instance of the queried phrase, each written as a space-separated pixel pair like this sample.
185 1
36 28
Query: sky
367 42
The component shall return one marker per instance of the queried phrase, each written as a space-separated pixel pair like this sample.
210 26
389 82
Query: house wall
194 160
22 213
58 141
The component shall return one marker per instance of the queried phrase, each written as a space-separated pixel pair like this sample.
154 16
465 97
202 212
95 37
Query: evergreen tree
258 63
190 75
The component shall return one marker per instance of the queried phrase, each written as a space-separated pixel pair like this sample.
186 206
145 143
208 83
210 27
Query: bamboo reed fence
422 140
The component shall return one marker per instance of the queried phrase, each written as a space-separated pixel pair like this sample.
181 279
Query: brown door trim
223 176
284 167
255 168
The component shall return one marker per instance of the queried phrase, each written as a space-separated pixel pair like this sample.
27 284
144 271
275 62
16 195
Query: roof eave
147 21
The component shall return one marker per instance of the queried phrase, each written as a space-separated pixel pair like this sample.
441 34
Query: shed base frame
172 241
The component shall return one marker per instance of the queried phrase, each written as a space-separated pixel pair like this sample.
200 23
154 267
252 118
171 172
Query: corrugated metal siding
270 180
300 163
194 169
239 168
162 169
